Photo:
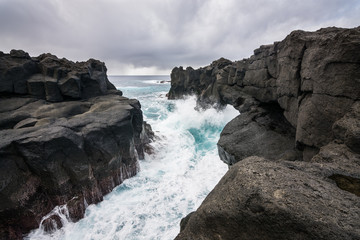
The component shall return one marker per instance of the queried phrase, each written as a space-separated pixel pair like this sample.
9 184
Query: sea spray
54 220
172 182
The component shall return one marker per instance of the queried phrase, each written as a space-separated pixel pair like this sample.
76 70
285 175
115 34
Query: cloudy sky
153 36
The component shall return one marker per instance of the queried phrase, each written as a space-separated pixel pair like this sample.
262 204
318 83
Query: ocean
171 183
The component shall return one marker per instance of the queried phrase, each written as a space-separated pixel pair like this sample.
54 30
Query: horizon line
137 75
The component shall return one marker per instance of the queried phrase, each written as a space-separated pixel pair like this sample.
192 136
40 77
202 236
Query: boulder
263 132
70 87
263 199
19 54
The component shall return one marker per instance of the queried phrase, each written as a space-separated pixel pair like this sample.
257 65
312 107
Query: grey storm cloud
161 34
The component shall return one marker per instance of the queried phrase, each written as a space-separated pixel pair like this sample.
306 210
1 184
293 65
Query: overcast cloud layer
153 36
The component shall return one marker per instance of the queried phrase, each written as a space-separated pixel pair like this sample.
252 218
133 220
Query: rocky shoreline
294 150
67 137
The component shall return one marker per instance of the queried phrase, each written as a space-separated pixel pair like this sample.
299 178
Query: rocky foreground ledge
294 151
67 136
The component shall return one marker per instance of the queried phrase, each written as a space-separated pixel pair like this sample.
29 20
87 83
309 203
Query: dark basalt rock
48 77
56 150
262 199
314 87
347 129
299 100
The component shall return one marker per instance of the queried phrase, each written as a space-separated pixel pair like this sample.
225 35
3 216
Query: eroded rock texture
299 100
313 78
67 137
263 199
51 78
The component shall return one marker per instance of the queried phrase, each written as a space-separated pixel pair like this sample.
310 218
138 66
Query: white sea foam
156 81
172 182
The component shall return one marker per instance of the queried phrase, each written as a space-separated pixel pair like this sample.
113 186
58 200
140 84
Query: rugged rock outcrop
299 100
67 137
51 78
313 77
262 199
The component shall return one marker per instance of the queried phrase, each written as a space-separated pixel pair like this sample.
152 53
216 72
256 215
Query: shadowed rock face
62 152
299 100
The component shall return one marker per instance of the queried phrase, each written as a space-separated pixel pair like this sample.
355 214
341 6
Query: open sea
171 183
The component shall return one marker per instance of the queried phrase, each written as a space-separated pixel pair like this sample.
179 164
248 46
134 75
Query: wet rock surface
67 137
299 104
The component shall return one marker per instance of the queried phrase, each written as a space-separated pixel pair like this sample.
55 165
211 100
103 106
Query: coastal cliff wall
300 119
67 137
311 77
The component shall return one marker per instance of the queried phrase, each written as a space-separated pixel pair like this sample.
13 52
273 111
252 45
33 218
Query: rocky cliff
294 149
67 137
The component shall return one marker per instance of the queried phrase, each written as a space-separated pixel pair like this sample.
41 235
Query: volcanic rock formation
294 149
67 137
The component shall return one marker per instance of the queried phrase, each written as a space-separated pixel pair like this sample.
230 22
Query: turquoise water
171 183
